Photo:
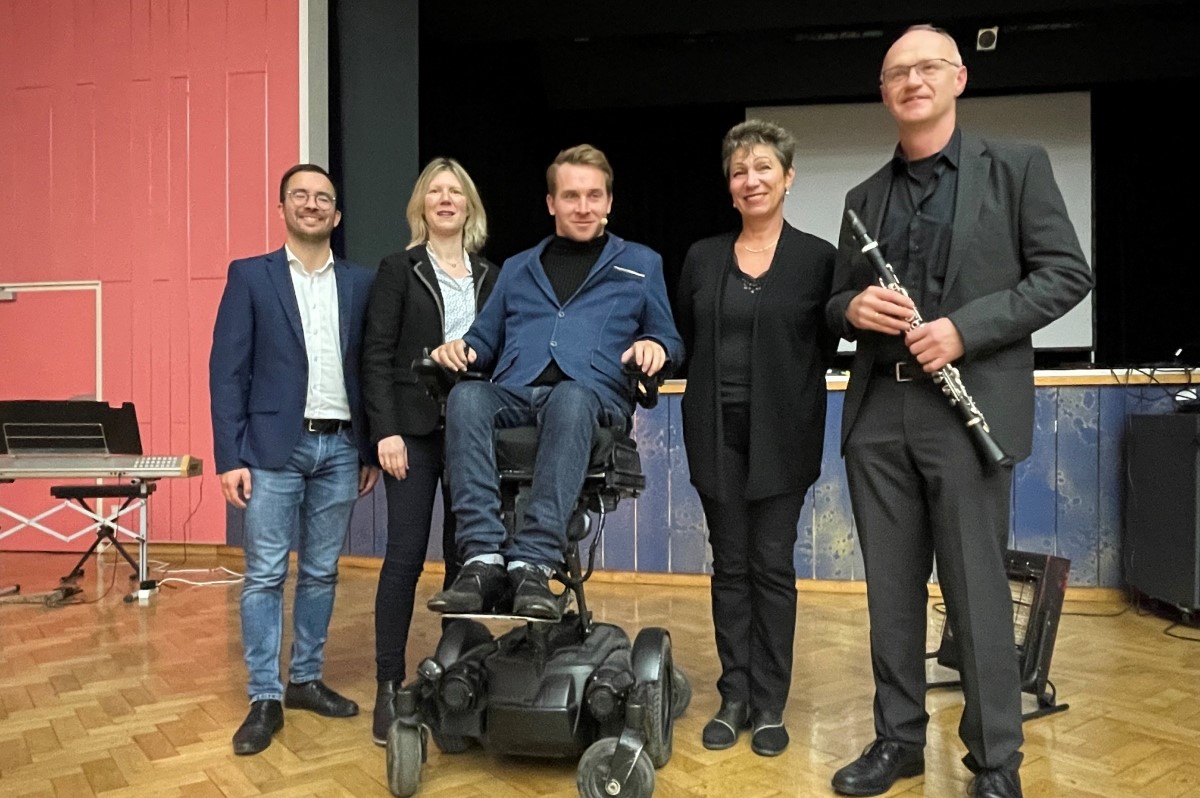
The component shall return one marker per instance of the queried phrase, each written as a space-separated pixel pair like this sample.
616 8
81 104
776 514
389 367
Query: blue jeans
567 416
309 500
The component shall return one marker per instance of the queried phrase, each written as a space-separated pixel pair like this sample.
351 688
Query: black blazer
792 349
405 316
1015 265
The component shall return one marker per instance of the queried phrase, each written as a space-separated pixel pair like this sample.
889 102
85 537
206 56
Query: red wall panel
144 141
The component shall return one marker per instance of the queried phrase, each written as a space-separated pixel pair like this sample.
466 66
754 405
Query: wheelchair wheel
405 753
595 766
681 691
653 669
459 638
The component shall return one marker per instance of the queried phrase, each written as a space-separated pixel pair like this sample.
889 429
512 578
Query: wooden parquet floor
119 699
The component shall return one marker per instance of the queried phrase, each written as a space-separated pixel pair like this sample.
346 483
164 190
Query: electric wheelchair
574 687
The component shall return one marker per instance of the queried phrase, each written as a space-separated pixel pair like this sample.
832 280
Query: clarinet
947 376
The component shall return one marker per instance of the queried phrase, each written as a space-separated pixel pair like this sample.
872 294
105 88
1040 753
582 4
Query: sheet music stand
82 428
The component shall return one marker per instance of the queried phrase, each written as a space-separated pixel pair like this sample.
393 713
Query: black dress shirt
915 236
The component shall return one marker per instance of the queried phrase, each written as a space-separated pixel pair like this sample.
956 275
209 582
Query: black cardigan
791 350
404 317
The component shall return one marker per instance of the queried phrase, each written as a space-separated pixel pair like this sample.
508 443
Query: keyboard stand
136 496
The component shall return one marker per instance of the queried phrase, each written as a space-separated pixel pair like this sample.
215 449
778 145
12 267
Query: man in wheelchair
563 320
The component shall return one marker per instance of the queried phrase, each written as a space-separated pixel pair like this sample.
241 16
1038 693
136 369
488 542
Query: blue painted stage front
1067 496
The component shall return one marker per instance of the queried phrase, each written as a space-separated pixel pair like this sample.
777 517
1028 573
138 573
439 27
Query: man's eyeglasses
300 196
927 69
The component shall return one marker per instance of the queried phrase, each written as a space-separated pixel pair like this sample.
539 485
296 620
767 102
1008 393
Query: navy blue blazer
623 299
258 368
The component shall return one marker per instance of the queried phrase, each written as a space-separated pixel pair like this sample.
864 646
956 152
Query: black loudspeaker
1038 583
1161 549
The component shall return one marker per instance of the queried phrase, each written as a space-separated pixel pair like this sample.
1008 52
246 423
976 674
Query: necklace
752 284
760 249
449 264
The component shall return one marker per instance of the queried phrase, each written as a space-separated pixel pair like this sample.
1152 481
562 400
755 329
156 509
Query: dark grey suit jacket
1015 265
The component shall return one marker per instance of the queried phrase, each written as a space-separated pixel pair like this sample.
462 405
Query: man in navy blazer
563 318
290 442
978 233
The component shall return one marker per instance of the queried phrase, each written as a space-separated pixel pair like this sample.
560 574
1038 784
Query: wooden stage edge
1046 377
848 586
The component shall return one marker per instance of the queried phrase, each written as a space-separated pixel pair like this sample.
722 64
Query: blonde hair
579 155
474 229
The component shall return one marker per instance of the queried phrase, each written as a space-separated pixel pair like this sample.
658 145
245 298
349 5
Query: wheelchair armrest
644 388
437 379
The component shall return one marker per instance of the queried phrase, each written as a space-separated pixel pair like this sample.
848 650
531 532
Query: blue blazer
623 299
258 368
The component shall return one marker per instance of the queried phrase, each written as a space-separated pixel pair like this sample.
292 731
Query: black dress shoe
770 737
995 784
478 587
316 697
255 733
722 731
385 711
877 769
532 596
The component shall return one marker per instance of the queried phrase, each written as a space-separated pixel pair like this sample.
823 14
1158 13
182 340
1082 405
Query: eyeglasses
300 196
927 69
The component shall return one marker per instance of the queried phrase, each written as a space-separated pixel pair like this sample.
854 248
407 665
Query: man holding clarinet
977 235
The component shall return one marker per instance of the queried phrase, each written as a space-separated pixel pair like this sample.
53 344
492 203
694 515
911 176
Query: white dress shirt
316 293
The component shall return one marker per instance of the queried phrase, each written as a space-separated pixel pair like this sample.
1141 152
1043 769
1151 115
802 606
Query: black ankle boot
722 731
385 710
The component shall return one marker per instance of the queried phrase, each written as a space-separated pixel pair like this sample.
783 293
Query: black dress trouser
920 491
754 577
410 514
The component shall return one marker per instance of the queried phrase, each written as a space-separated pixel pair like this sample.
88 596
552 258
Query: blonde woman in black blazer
751 311
434 287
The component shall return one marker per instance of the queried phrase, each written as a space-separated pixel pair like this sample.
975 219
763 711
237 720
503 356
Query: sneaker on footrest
478 587
532 597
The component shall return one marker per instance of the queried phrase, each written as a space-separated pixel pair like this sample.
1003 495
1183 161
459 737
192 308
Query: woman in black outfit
751 305
422 297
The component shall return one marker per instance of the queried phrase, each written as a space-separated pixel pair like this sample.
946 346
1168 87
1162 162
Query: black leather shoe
877 769
385 711
478 587
255 733
316 697
722 731
531 594
995 784
770 737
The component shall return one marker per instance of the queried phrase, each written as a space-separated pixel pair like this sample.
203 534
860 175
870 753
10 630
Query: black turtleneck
567 263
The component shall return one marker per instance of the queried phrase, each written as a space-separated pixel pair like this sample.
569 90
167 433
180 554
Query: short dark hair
745 135
302 167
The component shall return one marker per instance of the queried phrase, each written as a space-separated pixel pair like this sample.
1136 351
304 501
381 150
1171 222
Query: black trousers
410 514
919 491
754 578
